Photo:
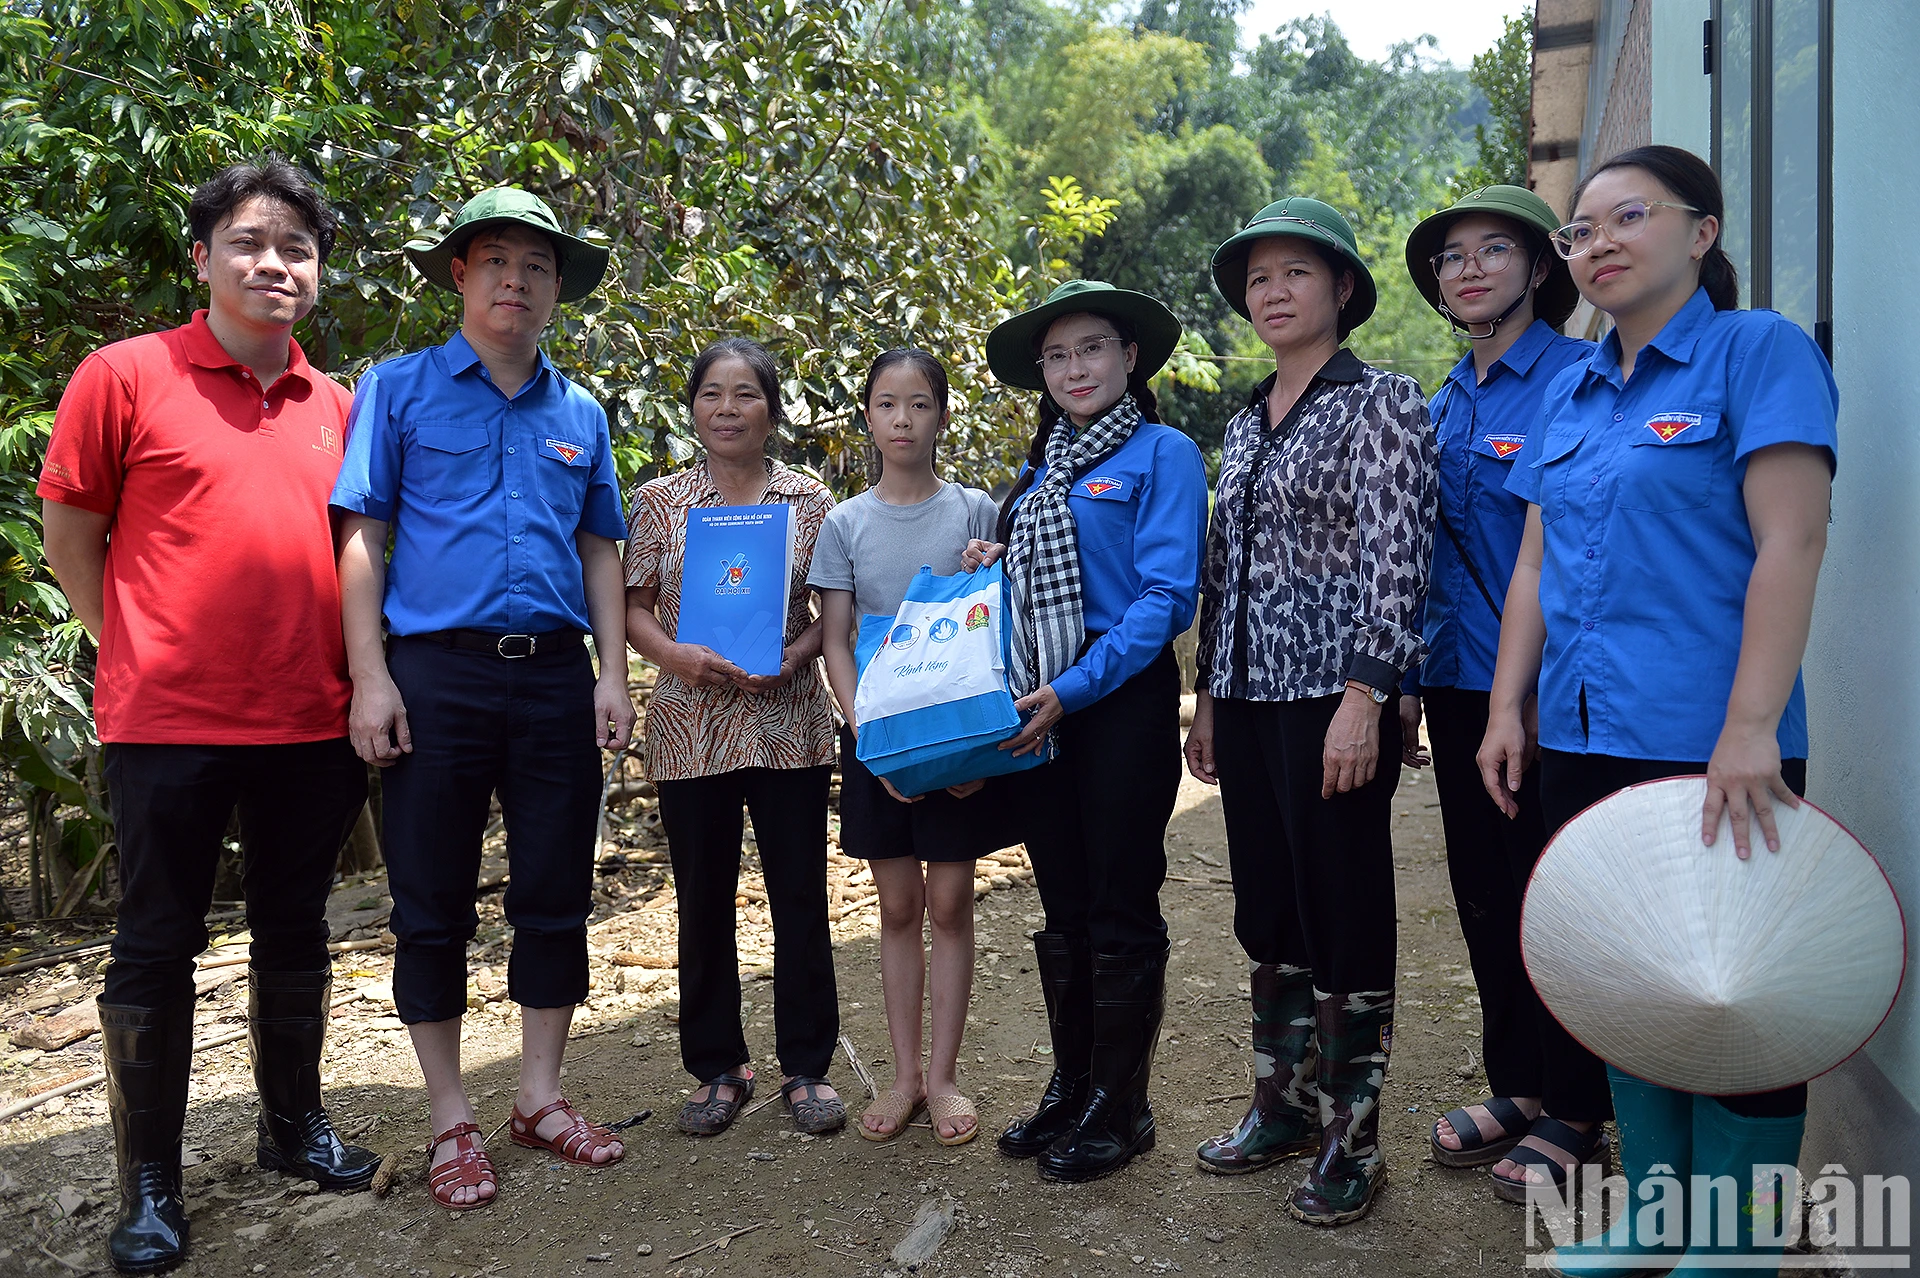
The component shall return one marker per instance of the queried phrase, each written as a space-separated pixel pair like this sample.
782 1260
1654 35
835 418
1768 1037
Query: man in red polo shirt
186 491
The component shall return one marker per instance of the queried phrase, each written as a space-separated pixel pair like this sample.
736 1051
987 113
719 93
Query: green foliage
1505 74
1071 218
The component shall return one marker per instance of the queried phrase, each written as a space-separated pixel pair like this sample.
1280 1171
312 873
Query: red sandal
575 1143
469 1168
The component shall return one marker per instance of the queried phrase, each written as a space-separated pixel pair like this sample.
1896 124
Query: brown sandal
945 1109
895 1106
576 1143
469 1168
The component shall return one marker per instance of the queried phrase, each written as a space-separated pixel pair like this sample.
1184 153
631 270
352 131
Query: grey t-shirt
874 549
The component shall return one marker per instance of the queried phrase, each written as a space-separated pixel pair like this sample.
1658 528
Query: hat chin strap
1465 327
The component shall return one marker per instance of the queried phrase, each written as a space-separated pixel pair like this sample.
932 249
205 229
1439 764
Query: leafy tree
1505 74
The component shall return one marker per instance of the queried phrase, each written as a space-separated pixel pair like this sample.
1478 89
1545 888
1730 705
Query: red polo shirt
222 602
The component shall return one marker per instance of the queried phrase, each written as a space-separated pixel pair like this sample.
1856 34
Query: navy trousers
483 725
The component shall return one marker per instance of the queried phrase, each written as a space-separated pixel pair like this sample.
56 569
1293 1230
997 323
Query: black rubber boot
1066 982
148 1052
287 1031
1129 999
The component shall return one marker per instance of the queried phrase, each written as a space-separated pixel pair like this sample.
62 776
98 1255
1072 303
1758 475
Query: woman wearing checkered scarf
1103 533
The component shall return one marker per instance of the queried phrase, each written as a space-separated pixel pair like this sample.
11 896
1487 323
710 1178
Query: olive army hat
1556 297
581 263
1309 219
1010 346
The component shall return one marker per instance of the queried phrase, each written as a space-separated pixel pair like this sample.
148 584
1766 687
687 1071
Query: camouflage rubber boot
1356 1034
1284 1120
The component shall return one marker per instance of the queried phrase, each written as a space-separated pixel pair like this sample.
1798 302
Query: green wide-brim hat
1010 346
1309 219
1556 297
581 263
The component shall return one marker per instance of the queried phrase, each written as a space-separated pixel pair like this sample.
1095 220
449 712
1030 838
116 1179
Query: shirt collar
782 480
204 350
1676 339
462 358
1518 358
1342 366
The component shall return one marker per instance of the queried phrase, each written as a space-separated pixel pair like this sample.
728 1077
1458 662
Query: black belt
512 647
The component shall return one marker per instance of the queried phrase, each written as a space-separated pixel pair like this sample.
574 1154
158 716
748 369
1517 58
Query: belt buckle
500 646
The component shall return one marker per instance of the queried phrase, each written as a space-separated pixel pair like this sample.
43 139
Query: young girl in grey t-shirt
868 551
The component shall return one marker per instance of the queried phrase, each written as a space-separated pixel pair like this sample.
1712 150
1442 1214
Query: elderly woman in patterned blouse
718 738
1315 564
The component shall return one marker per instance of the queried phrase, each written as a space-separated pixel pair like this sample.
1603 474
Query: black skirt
875 826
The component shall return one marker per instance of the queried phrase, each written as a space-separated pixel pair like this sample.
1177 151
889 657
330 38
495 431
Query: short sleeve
600 514
1781 391
832 567
369 479
810 512
983 517
646 536
92 430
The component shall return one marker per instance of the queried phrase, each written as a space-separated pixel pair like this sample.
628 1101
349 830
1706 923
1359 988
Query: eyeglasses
1628 222
1088 351
1491 259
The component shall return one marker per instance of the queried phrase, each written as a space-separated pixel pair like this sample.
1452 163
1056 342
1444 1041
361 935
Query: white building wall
1863 662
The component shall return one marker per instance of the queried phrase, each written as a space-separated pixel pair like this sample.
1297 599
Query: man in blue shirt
496 477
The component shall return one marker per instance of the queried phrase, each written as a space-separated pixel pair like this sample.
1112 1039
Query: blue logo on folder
733 577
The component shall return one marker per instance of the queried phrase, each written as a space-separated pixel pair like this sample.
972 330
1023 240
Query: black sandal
813 1113
1476 1150
1584 1146
714 1115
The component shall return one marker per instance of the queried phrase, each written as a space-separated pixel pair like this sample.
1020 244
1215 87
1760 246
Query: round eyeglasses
1489 259
1628 222
1088 351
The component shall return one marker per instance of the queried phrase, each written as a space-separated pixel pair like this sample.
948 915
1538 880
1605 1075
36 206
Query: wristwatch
1379 698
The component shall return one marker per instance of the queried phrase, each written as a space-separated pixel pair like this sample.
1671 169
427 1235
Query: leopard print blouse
1321 538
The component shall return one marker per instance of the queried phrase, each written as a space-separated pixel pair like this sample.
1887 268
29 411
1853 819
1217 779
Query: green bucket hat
1010 344
1310 220
1556 297
581 263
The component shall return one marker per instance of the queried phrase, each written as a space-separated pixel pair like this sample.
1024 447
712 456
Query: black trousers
1489 859
484 724
1095 819
171 804
1571 783
1312 877
703 825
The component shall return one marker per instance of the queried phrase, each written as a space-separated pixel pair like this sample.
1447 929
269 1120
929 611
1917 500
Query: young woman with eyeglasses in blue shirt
1679 484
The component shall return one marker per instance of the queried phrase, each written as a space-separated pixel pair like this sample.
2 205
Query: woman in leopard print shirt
1316 561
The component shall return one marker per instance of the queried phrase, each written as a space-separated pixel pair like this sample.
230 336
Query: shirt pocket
1673 461
446 461
561 474
1556 468
1104 509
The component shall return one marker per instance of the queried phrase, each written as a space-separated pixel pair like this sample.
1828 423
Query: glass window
1794 245
1733 142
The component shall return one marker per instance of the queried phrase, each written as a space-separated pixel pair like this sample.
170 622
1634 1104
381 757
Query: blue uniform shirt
485 493
1647 546
1141 518
1480 427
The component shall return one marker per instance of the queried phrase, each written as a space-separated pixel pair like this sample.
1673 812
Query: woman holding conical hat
1316 559
1679 483
1102 533
1486 265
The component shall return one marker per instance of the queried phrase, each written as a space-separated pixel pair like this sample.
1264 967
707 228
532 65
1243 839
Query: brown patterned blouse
699 732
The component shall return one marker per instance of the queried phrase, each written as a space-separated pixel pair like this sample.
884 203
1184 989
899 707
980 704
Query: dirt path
833 1206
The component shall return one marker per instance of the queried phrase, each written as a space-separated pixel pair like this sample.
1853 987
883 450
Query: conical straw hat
1691 968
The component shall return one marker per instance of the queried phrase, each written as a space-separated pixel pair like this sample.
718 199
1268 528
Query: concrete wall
1862 687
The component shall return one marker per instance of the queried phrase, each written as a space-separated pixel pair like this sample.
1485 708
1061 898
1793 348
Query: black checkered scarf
1043 552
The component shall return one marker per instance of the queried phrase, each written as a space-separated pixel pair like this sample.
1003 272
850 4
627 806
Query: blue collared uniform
1647 546
1480 427
1141 518
485 493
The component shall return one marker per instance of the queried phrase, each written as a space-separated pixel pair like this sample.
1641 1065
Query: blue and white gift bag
933 702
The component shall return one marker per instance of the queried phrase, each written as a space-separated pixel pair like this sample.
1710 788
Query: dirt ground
813 1207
